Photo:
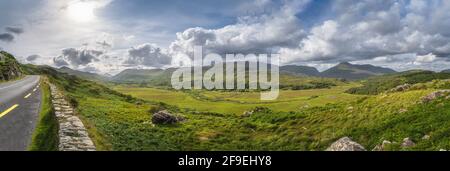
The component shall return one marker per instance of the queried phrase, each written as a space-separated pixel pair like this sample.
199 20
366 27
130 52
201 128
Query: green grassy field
227 102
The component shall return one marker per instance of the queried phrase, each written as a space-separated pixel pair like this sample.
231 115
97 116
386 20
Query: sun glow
81 11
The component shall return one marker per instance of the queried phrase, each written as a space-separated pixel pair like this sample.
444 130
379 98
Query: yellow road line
8 110
28 95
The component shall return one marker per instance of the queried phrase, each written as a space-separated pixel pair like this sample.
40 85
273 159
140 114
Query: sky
108 36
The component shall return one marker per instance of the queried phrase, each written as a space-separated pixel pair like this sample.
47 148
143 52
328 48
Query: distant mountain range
152 76
446 71
343 70
84 75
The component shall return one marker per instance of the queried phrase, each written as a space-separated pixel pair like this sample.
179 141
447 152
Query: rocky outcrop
401 88
165 117
433 96
9 67
73 136
345 144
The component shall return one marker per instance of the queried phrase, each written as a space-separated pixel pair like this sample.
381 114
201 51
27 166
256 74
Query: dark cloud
33 58
15 30
59 61
6 37
147 55
77 57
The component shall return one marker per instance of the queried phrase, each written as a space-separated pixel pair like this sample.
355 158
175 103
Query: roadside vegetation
45 136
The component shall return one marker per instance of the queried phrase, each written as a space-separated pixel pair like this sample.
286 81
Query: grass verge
45 136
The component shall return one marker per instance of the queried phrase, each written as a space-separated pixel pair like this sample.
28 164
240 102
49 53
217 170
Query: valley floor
230 102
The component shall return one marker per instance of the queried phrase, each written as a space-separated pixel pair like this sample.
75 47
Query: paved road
20 103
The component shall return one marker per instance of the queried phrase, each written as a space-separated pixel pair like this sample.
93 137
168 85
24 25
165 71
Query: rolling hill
299 70
155 77
161 77
446 71
84 75
355 72
379 84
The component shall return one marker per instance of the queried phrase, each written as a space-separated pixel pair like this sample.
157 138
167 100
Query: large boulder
345 144
165 117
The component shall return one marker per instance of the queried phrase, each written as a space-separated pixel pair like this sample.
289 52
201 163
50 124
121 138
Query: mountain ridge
350 71
86 75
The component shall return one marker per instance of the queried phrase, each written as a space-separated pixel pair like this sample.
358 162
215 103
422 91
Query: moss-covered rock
9 67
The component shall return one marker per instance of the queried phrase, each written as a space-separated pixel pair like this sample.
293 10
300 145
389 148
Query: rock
383 146
442 150
400 88
434 95
407 142
9 67
164 117
247 113
403 110
426 137
345 144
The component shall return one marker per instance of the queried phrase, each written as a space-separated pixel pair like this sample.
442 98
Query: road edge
45 135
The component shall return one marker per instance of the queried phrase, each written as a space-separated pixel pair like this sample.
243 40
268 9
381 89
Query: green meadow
234 102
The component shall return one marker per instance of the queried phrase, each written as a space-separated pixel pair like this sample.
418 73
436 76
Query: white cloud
425 58
251 34
369 29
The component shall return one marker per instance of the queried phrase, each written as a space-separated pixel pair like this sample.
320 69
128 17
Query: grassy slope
383 83
45 136
369 120
120 122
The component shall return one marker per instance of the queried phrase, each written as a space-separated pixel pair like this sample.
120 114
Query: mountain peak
345 63
354 72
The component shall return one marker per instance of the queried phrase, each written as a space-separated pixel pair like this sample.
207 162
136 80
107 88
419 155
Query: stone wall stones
73 136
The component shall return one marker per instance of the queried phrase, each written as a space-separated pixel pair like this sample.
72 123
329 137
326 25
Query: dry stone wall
73 136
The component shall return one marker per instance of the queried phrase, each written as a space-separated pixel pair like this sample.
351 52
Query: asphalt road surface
20 103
